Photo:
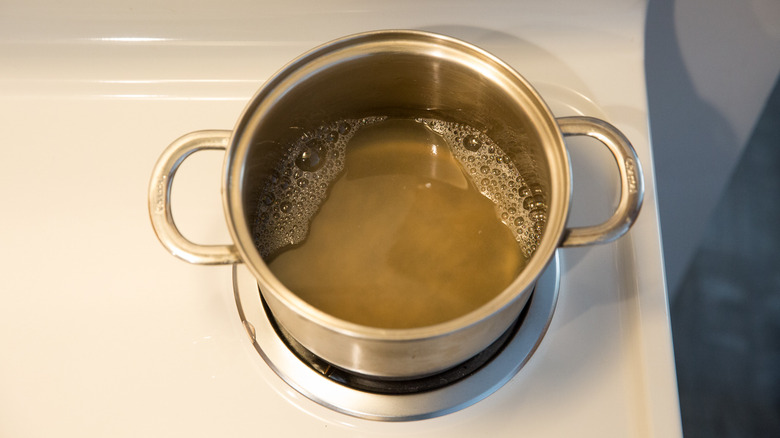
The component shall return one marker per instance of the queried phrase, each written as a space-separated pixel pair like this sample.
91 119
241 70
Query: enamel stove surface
105 334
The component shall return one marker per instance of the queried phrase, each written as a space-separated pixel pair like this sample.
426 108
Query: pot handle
160 200
631 181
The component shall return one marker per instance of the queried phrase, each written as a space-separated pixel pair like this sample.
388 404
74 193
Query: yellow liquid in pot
404 237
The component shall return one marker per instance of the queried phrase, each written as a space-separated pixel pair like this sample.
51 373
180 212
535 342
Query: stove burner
386 400
379 385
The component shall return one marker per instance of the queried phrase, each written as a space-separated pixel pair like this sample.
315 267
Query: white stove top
105 334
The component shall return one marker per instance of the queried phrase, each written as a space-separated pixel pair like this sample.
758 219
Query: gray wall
710 67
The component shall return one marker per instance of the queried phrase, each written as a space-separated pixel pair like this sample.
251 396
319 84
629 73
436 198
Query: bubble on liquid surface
331 136
471 142
538 215
343 127
534 202
312 157
524 191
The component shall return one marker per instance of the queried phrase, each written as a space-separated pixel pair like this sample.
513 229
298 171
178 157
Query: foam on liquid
397 223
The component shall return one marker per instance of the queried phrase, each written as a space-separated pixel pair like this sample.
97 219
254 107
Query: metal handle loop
160 200
631 181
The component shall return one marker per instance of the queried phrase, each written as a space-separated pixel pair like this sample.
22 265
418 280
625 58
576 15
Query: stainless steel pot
407 74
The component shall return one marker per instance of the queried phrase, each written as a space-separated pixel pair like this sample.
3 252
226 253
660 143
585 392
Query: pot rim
539 113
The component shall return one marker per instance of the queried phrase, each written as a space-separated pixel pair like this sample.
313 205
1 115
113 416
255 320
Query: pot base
399 386
392 404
